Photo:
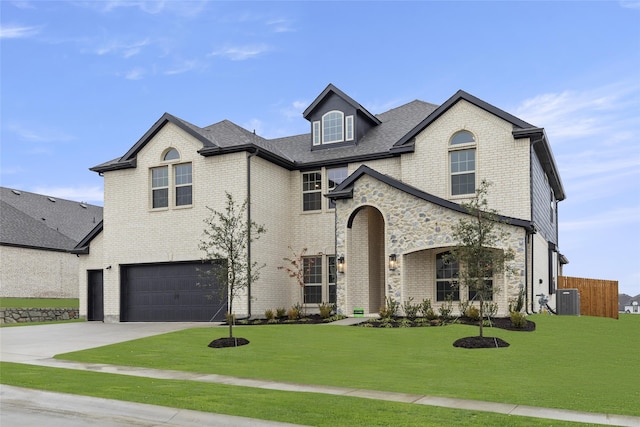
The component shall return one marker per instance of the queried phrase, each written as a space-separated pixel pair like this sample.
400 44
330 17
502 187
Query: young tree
478 237
226 237
296 269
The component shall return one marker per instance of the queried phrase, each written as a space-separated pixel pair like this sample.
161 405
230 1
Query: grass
39 302
580 363
300 408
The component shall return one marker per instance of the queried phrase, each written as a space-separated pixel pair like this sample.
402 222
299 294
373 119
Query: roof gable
129 158
345 191
330 91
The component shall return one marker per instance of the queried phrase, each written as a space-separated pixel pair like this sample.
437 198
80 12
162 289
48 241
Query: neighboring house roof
36 221
345 191
393 135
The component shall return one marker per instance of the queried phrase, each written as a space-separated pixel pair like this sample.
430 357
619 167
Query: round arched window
463 137
171 154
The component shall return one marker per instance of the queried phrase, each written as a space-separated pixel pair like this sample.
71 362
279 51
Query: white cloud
136 73
183 67
630 4
18 32
241 53
38 133
577 114
152 7
281 25
89 194
604 219
126 50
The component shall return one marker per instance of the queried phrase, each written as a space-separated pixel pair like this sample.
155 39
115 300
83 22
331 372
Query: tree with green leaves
296 269
225 243
479 237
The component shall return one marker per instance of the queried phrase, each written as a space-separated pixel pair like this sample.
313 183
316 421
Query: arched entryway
366 259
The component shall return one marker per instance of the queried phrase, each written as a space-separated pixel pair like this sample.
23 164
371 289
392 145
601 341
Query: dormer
337 120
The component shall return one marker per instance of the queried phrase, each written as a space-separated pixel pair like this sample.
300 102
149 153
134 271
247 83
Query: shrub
463 306
269 314
390 310
518 304
325 310
427 310
293 313
472 312
281 312
490 309
410 309
446 308
518 319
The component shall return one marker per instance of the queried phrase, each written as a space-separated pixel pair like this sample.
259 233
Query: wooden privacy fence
597 297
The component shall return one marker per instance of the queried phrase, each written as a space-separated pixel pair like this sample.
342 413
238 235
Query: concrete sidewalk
34 345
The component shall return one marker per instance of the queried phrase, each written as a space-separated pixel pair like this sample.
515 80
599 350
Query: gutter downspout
255 153
531 215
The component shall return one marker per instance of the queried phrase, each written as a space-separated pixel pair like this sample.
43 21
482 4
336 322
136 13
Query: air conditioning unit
568 302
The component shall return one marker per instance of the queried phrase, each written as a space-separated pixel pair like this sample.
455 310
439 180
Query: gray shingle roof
37 221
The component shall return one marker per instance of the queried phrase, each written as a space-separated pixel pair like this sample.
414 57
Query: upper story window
171 154
180 176
312 191
334 127
462 163
335 176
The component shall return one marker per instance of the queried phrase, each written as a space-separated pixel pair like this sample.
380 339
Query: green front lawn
581 363
299 408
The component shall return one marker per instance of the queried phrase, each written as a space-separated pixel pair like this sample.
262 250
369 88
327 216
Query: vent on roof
51 199
82 205
16 192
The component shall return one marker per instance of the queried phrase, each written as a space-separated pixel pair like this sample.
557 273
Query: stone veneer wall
411 225
25 315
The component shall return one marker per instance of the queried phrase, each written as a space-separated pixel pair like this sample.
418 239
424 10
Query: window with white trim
171 182
312 191
462 163
332 128
160 187
335 176
447 271
312 269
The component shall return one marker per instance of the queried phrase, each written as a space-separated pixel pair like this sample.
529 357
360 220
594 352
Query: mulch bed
467 342
228 342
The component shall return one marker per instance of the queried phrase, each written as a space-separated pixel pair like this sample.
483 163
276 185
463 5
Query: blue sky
82 81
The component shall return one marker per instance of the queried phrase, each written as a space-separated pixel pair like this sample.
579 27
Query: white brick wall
33 273
499 159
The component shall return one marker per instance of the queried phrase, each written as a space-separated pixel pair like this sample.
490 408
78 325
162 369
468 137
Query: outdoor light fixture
393 263
341 264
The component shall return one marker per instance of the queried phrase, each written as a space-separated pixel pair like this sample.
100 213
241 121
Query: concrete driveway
23 344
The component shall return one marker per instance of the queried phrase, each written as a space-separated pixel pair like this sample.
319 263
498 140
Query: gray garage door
169 293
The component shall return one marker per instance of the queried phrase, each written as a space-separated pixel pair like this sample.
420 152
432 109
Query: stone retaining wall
24 315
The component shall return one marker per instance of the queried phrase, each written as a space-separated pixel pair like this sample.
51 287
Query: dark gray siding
546 223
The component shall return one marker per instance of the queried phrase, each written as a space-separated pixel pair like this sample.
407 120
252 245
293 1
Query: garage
169 293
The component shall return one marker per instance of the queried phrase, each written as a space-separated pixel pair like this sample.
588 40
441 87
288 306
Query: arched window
171 185
332 127
171 154
462 162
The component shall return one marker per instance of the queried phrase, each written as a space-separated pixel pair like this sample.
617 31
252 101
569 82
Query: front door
95 295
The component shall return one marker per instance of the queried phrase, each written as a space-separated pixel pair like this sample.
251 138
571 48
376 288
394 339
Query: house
37 235
629 304
372 197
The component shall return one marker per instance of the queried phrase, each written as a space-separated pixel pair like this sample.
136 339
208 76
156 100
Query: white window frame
348 128
339 126
317 140
457 147
312 190
170 161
